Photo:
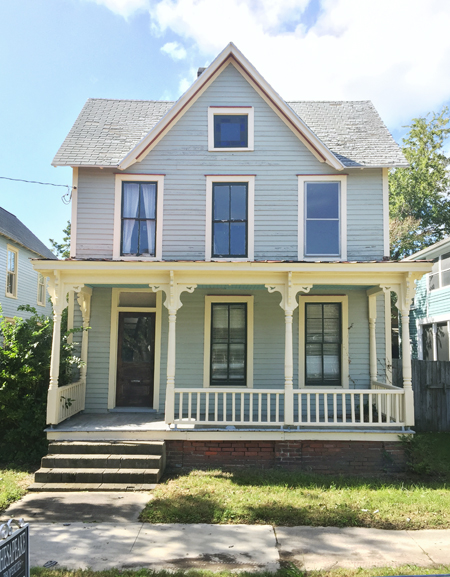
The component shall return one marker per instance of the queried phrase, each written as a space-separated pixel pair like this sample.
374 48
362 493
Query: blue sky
54 54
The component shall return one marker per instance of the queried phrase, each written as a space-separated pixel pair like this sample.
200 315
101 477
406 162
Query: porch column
84 301
372 337
289 303
173 292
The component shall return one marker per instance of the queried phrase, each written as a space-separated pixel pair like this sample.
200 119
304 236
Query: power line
66 198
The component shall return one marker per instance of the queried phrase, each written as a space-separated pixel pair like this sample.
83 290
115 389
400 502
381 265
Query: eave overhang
232 55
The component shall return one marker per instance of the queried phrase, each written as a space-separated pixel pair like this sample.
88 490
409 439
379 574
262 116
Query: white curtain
148 202
130 208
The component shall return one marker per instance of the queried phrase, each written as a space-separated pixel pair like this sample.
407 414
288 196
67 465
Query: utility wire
66 198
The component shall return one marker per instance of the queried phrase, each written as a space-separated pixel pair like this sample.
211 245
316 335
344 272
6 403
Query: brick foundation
334 457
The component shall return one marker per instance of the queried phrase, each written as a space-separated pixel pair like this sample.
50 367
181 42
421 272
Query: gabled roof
120 132
14 229
432 251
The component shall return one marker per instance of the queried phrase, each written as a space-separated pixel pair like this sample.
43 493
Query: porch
275 397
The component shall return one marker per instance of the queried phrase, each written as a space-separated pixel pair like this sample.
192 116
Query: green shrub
428 453
24 376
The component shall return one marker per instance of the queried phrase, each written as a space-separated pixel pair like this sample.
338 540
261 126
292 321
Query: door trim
113 342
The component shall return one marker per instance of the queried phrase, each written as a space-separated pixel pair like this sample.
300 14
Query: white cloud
124 8
174 50
394 52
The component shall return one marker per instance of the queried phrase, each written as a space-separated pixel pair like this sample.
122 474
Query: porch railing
380 406
69 400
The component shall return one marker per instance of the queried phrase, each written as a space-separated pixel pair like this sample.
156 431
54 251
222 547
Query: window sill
10 296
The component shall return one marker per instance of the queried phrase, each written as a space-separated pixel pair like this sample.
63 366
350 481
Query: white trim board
15 250
119 179
250 181
74 213
302 300
114 333
209 299
302 180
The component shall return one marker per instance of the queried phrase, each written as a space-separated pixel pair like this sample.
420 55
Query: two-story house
21 284
230 254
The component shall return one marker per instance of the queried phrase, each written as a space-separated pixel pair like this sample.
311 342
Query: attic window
231 129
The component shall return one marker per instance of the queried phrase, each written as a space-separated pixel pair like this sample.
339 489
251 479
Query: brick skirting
334 457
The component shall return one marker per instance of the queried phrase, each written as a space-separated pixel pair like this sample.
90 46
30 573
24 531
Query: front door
135 360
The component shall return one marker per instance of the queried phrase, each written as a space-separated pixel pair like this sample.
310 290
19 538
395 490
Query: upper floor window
41 290
231 128
138 216
12 256
440 273
230 217
322 217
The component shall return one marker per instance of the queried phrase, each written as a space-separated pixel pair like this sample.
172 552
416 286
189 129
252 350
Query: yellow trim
209 299
10 248
159 179
114 332
302 300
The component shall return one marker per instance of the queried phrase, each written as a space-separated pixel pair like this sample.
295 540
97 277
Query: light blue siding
27 283
182 155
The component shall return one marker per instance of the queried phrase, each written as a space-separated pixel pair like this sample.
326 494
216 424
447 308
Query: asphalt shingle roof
12 228
107 130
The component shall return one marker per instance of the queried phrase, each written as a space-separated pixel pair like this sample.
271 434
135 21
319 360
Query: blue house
230 254
430 311
21 284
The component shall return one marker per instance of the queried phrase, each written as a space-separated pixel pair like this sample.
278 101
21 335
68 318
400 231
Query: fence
431 385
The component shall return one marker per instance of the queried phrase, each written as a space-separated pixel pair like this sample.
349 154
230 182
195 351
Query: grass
278 497
14 481
287 571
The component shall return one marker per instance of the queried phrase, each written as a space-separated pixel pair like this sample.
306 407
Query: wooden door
135 360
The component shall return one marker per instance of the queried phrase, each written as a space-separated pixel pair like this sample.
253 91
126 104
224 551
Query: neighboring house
22 285
430 311
230 254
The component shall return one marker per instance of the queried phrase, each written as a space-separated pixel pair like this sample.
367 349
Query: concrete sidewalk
101 531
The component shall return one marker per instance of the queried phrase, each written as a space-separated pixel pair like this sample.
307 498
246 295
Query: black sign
15 554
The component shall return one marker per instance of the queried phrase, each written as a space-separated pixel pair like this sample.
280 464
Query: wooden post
288 369
406 367
84 301
372 337
52 397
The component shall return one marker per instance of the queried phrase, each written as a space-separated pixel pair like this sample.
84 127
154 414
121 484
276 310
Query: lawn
14 481
288 571
278 497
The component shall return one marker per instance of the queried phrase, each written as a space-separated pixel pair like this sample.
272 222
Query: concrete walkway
101 530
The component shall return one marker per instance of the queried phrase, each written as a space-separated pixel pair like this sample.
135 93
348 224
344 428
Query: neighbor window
323 343
41 290
229 219
230 128
440 273
322 221
12 255
138 218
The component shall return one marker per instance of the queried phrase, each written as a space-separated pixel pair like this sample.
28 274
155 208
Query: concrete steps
101 466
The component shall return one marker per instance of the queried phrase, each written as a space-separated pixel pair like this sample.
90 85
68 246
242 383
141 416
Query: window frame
221 299
15 251
323 299
232 111
117 240
249 180
41 284
303 180
439 273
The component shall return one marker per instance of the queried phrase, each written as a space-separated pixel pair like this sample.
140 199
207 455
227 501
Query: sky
55 54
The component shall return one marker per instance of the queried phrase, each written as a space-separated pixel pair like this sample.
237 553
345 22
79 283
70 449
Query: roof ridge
133 100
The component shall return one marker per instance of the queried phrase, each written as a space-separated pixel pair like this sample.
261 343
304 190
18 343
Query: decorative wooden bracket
289 291
173 291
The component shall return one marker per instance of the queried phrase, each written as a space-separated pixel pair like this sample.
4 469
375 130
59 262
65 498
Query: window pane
442 342
220 323
221 202
331 330
238 238
313 361
427 342
230 131
237 323
435 267
433 281
147 237
221 239
237 362
130 199
219 362
130 237
322 237
445 278
136 339
10 283
331 361
238 202
322 200
148 201
11 261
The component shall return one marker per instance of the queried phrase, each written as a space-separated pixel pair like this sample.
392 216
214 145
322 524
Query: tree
63 250
419 203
